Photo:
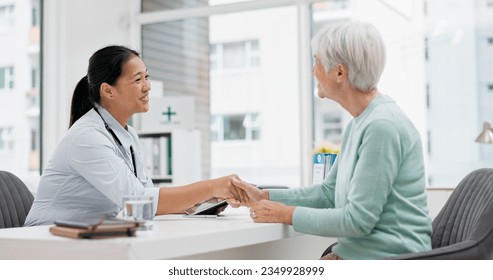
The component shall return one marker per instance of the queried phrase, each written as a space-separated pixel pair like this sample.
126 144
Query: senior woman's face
326 80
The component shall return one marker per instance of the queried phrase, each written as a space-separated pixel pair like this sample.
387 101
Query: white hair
359 46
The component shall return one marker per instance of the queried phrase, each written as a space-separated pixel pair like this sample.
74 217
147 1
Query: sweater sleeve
316 196
375 168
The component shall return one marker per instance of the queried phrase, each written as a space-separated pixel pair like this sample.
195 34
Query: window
7 18
332 127
216 128
251 122
34 78
253 54
213 57
35 14
450 50
33 158
20 134
425 49
235 127
34 140
426 61
6 77
235 56
6 139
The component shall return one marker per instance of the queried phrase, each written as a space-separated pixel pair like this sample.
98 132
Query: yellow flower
326 148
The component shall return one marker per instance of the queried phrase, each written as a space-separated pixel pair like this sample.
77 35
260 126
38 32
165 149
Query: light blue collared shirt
89 173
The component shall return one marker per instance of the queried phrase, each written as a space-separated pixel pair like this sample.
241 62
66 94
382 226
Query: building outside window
20 89
6 140
233 128
235 56
252 123
458 70
7 18
244 127
35 15
7 78
237 89
438 63
332 127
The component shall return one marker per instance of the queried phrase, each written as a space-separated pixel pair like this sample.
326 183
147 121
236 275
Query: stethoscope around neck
108 128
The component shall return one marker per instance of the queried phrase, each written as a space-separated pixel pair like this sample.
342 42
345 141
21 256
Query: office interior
245 68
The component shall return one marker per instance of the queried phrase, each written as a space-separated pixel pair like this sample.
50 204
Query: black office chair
464 227
15 200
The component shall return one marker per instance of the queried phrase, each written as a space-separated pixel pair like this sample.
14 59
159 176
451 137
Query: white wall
73 31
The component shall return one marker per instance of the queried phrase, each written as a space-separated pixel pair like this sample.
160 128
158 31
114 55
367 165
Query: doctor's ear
106 90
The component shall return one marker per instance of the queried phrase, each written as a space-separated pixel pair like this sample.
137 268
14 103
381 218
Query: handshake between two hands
240 193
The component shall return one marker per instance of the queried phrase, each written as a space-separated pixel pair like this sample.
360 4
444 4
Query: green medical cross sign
169 113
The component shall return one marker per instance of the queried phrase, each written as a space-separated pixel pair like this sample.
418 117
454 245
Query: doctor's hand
248 193
223 188
266 211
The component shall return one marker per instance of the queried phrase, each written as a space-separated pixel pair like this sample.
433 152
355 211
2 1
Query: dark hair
105 66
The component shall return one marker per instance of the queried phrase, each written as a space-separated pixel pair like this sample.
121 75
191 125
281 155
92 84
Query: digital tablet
209 207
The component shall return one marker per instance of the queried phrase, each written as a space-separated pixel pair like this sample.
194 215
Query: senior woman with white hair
374 197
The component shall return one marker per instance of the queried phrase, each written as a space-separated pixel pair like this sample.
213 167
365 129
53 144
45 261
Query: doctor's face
133 87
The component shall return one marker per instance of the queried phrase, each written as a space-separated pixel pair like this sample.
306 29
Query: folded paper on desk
103 228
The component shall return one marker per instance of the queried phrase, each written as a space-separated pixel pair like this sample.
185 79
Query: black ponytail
105 66
81 101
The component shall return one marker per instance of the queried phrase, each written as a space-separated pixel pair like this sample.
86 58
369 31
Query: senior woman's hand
266 211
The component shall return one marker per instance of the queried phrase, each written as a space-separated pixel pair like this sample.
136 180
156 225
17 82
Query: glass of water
138 208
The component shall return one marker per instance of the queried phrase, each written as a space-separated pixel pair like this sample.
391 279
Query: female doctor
99 160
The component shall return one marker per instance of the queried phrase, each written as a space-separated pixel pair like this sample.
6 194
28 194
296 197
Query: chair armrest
459 251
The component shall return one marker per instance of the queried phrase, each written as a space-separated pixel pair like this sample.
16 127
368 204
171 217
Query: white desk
232 236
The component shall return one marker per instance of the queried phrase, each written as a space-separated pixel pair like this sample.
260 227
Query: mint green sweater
374 198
